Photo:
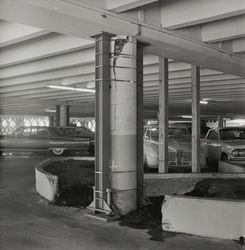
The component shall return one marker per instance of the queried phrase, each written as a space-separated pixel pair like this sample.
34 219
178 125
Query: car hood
235 143
183 144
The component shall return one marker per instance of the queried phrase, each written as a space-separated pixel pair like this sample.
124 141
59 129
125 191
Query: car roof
233 127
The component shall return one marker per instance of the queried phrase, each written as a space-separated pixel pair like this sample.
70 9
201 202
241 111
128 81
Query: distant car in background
179 146
226 143
37 138
76 132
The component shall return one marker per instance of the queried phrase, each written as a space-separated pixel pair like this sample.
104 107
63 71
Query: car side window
19 131
26 132
213 135
42 132
33 131
147 133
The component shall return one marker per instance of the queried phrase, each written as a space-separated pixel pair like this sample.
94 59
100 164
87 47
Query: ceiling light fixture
71 88
204 102
50 110
187 116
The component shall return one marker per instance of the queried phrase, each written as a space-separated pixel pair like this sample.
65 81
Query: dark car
37 138
76 132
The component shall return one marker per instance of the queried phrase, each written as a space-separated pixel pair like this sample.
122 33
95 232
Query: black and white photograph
122 125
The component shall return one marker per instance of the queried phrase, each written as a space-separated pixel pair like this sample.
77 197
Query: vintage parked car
179 146
76 132
36 138
226 143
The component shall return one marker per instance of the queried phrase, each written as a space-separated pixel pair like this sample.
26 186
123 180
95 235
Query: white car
226 143
179 146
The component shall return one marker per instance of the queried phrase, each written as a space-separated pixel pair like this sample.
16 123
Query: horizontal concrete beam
181 14
120 6
238 45
77 58
45 46
80 72
12 33
224 29
51 14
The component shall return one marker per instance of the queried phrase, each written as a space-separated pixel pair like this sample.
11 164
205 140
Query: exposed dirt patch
148 217
240 241
145 217
76 180
220 188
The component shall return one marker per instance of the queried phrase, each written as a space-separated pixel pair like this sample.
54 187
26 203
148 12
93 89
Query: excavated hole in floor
76 179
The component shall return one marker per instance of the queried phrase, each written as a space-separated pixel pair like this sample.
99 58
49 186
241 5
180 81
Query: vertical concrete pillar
57 116
1 125
51 121
220 121
140 125
124 123
163 115
195 87
64 115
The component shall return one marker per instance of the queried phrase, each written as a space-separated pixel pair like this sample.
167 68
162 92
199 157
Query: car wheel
58 151
224 156
207 161
91 151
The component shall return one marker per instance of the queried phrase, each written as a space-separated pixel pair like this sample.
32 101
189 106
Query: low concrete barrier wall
204 216
47 183
179 183
231 167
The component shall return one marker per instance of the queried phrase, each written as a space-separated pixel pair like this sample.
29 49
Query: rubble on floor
220 188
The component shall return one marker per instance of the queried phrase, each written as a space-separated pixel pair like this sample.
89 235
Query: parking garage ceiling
33 58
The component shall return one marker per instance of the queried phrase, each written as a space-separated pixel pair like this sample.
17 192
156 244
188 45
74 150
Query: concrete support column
163 115
64 115
140 125
195 87
57 116
51 121
220 121
1 125
124 123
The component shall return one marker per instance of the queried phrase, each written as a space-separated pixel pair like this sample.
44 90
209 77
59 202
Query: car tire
207 161
91 151
58 151
224 156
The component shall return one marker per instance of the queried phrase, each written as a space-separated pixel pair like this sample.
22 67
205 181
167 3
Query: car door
19 139
213 144
38 139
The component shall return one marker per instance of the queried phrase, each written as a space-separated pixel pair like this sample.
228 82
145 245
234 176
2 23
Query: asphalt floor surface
27 221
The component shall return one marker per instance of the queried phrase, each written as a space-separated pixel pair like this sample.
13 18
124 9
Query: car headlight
236 152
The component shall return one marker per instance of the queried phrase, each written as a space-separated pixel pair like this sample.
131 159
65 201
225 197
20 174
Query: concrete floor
29 222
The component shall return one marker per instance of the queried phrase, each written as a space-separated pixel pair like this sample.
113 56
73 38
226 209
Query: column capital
104 34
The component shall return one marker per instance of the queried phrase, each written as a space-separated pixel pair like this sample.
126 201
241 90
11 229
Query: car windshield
55 132
176 132
233 134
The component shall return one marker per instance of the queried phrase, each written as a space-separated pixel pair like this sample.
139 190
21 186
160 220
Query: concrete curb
232 167
179 183
47 183
210 217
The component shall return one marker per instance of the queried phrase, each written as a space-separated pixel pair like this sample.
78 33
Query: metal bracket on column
105 206
102 191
